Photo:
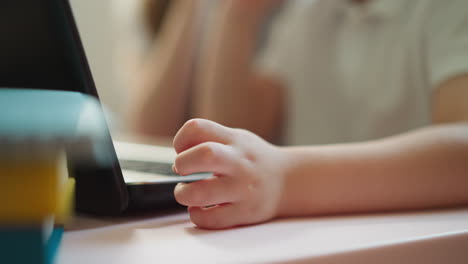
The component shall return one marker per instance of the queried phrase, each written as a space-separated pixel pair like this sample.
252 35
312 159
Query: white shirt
357 72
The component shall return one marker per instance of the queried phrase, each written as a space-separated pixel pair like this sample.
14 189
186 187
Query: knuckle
248 189
208 151
245 169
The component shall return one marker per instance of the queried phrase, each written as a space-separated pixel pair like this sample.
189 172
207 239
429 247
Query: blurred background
116 39
95 21
338 71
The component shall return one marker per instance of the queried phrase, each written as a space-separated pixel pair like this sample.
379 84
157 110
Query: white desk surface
439 236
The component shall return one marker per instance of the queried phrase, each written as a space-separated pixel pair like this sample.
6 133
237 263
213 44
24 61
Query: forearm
424 168
159 106
223 92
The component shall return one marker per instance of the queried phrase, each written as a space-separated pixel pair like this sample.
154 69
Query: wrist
288 169
301 169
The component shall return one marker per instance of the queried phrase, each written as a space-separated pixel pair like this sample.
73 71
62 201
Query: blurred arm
159 103
229 91
424 168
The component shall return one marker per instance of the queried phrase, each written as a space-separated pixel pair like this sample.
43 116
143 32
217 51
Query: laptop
40 48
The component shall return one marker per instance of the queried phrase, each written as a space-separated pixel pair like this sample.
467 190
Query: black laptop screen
40 48
37 48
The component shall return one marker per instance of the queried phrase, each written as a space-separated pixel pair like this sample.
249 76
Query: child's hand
248 175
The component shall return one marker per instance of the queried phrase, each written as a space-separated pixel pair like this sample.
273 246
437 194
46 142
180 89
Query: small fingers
196 131
209 191
206 157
